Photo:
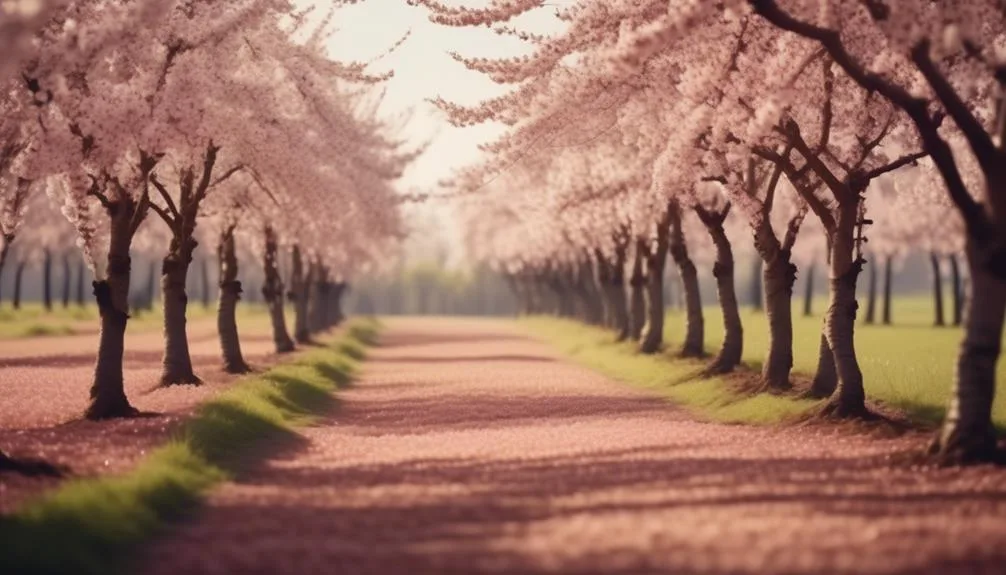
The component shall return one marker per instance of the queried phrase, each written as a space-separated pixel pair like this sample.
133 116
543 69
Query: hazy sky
424 69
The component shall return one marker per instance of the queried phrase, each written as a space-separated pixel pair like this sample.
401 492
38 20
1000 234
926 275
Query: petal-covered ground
44 385
467 448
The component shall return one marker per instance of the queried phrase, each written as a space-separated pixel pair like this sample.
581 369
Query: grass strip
681 381
90 525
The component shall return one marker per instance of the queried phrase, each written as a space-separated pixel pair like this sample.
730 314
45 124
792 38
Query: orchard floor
44 385
466 447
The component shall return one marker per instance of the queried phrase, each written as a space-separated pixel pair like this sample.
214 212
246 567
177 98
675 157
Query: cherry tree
952 48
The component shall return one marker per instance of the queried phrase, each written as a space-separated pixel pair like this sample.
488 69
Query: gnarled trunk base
968 435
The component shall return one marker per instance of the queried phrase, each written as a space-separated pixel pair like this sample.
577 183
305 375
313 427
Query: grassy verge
908 366
89 526
714 398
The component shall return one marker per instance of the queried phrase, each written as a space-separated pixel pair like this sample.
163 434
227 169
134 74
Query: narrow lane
466 447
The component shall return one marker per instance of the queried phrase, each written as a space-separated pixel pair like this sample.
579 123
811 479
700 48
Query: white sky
424 69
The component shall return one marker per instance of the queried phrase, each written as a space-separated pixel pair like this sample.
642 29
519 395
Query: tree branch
916 108
896 164
95 191
164 215
979 140
209 161
227 174
805 190
165 196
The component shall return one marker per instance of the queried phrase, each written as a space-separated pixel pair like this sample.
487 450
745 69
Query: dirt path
467 448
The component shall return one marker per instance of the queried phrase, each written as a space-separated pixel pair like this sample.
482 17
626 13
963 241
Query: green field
908 366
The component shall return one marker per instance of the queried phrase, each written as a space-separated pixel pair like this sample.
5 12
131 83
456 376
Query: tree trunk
4 252
230 294
849 398
177 363
968 434
958 292
589 293
272 292
637 305
47 279
618 296
939 320
81 271
694 345
151 287
871 294
18 276
339 290
779 278
826 377
318 298
756 285
888 273
723 270
602 281
299 292
108 394
67 279
808 290
653 330
204 276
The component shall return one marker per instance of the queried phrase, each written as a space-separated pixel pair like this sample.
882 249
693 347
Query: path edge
92 525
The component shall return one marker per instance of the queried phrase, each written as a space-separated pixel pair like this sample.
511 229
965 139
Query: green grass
91 525
908 366
678 380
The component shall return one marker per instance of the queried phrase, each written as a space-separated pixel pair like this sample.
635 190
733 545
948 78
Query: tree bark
849 398
826 377
339 290
108 394
47 279
602 283
230 294
958 292
177 363
808 291
723 270
968 434
204 277
618 295
756 285
871 294
67 280
637 305
81 271
318 299
939 320
272 292
151 286
653 330
779 278
694 345
18 276
4 252
299 292
888 273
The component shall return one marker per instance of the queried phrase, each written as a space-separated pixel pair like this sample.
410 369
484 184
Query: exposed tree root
111 409
959 451
188 379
